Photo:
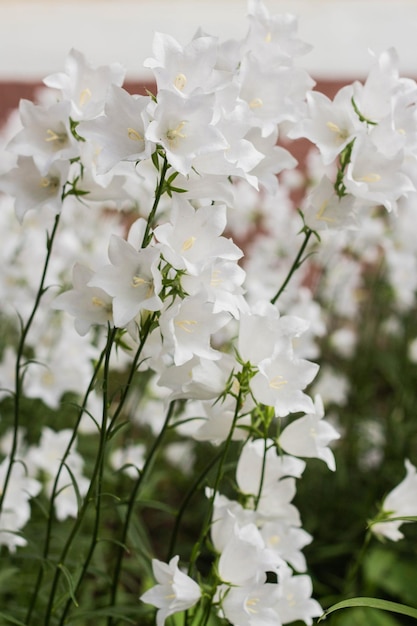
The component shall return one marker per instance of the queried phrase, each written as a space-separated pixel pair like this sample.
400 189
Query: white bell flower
174 592
400 502
309 436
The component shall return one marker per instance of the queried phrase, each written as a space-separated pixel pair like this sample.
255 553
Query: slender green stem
187 499
55 486
353 570
297 263
99 481
131 505
89 496
219 475
158 193
19 357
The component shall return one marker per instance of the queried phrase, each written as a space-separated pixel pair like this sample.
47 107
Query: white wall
35 36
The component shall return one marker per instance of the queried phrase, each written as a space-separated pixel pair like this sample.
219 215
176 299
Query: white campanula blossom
129 459
193 238
375 178
85 86
400 502
46 458
273 36
132 279
186 69
213 422
250 605
273 332
240 157
32 189
326 210
331 125
287 541
46 135
89 305
199 378
309 436
119 134
294 598
184 128
16 510
187 327
270 482
273 94
222 283
245 559
174 592
280 381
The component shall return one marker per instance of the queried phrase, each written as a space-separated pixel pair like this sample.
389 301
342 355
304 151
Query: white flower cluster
192 164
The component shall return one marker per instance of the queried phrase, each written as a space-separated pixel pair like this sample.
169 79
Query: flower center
51 136
186 325
173 134
188 244
134 135
180 81
256 103
277 382
85 96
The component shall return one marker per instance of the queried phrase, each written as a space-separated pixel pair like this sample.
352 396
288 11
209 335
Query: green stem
55 486
353 570
19 357
131 505
187 499
297 263
158 193
207 523
89 496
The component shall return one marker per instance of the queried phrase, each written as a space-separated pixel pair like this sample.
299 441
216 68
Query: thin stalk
99 489
219 475
158 193
94 478
187 499
131 505
297 263
19 357
55 486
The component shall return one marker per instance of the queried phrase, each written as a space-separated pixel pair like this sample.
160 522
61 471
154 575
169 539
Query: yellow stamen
256 103
134 135
370 178
290 599
188 244
85 96
186 325
274 540
268 37
250 604
138 281
180 81
97 302
173 134
215 280
51 182
333 127
320 213
277 382
51 135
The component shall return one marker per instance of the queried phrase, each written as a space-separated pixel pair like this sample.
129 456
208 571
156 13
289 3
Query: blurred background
35 36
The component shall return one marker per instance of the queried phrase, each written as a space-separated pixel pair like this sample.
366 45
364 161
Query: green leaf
12 620
111 611
70 582
385 571
372 603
